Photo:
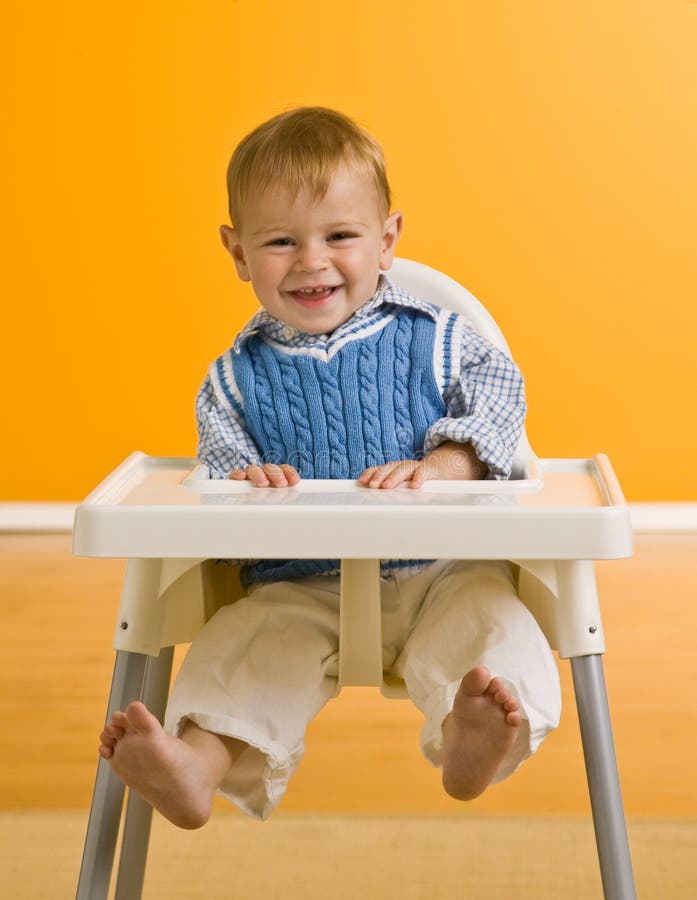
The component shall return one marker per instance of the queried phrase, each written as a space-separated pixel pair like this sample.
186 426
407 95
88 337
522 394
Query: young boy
342 375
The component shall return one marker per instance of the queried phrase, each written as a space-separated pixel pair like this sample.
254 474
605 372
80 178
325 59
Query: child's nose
311 258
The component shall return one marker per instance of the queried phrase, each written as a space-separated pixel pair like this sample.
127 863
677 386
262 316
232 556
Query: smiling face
314 262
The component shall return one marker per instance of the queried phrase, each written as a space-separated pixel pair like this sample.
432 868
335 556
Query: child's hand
449 460
268 475
392 474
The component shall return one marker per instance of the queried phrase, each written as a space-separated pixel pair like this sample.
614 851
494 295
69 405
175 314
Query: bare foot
178 776
478 733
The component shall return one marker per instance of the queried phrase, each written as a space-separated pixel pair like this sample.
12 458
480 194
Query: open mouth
313 296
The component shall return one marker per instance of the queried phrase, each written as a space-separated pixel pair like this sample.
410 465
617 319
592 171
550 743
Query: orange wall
543 153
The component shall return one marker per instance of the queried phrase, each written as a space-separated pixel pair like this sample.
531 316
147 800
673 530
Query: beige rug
309 857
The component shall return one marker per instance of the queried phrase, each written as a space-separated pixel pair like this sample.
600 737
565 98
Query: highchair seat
182 531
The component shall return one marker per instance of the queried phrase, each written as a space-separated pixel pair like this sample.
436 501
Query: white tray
160 507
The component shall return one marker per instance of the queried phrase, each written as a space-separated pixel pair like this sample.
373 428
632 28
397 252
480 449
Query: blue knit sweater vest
371 402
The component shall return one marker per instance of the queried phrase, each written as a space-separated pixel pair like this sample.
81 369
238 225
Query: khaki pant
263 667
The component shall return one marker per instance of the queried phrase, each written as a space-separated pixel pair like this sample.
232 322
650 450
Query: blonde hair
302 149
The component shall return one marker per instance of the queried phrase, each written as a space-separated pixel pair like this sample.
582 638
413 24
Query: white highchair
173 524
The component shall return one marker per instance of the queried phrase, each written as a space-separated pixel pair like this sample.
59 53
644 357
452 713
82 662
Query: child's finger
292 474
365 476
393 474
379 474
397 473
419 477
257 476
238 475
276 475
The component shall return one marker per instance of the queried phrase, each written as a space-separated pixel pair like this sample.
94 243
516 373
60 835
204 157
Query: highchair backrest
433 286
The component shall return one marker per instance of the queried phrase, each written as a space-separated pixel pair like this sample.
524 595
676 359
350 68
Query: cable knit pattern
403 426
302 455
332 403
370 403
368 393
265 398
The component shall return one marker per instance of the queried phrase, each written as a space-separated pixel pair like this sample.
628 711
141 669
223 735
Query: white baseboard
58 517
668 517
39 517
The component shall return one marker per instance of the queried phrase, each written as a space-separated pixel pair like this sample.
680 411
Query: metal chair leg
107 799
603 778
136 829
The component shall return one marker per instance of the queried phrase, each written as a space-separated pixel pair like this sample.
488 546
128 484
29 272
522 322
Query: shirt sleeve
223 441
485 406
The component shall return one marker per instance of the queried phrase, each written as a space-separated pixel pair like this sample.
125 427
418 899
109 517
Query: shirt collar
387 294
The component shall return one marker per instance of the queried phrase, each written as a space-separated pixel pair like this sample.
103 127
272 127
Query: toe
111 735
495 685
119 720
476 681
140 718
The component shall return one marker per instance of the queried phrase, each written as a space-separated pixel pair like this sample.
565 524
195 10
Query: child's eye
279 242
341 235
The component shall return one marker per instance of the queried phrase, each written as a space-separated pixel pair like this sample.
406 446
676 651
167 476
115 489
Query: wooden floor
58 613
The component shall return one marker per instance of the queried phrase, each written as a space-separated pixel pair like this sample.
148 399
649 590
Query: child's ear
231 242
390 235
